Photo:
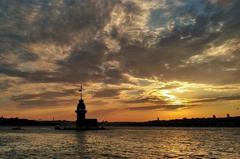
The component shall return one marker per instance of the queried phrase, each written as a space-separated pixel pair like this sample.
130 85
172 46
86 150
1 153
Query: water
133 142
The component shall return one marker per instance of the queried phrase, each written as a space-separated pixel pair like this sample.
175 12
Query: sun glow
170 97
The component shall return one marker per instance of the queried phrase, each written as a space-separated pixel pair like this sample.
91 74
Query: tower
81 111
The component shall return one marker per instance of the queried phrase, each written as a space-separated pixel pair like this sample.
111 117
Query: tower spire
81 91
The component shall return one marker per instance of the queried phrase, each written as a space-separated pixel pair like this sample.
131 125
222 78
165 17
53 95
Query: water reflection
81 148
122 143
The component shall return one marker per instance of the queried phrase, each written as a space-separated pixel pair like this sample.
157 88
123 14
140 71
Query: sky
137 59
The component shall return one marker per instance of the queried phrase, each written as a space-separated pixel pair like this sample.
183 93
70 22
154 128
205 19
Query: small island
82 123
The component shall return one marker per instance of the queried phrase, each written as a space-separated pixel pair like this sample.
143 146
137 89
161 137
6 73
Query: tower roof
81 105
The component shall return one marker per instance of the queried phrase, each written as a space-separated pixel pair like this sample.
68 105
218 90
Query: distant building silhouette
214 116
81 114
228 116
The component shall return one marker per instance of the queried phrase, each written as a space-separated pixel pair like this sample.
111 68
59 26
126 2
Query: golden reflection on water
122 143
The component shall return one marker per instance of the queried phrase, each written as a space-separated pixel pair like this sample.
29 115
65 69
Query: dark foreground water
120 142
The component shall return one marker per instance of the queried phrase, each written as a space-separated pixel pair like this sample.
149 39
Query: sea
120 142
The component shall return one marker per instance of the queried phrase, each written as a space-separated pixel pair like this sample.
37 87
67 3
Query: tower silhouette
81 110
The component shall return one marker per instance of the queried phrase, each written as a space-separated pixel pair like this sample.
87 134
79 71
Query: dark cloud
4 85
225 98
44 95
87 64
157 107
8 83
188 29
97 102
39 103
43 99
154 100
83 64
107 93
104 111
24 22
37 76
8 69
114 76
167 59
52 20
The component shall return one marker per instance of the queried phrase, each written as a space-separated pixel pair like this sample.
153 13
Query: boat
17 128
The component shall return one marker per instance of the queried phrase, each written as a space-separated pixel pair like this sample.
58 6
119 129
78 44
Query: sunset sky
137 59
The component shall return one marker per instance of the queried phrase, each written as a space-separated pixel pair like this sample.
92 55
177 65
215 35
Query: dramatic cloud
140 55
107 93
157 107
48 98
236 97
146 100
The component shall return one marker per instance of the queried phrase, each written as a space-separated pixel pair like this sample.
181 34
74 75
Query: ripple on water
122 143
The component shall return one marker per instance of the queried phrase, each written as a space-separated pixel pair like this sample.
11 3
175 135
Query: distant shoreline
194 122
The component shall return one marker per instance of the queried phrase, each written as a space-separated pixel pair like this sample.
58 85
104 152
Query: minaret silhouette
81 110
